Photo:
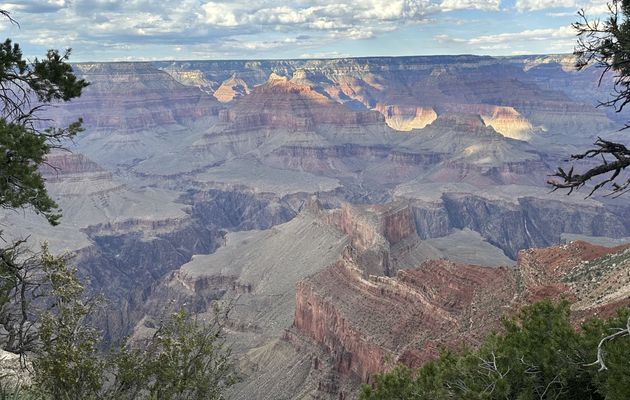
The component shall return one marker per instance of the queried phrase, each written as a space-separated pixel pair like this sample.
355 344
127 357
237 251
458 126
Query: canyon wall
367 325
219 180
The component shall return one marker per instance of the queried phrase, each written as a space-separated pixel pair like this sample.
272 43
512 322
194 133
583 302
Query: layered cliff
369 324
134 111
256 271
521 97
295 106
136 96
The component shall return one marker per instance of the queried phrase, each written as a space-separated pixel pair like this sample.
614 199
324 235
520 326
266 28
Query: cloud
526 35
254 28
219 14
486 5
35 6
254 24
556 40
593 7
330 54
317 14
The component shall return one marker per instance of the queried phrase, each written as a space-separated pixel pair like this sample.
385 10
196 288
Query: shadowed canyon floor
344 208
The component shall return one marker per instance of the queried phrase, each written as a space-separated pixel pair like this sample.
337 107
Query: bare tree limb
573 181
600 347
605 44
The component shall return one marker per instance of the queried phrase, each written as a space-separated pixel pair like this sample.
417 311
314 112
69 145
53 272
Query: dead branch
618 159
600 347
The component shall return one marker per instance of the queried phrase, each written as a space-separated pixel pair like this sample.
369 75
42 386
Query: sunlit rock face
231 89
505 120
407 118
508 122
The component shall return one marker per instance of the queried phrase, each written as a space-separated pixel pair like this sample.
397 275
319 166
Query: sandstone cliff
369 324
135 96
231 89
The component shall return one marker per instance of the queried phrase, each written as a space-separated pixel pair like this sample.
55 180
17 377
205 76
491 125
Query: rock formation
231 89
295 106
216 180
368 324
136 96
406 118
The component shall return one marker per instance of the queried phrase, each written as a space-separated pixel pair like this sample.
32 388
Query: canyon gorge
351 213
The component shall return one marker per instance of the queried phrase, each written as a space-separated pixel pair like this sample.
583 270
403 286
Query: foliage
185 358
605 44
21 153
19 289
538 356
66 365
25 90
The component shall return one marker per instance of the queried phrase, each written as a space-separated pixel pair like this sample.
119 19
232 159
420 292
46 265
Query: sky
137 30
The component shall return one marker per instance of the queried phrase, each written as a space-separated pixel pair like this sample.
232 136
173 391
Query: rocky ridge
440 303
400 87
356 289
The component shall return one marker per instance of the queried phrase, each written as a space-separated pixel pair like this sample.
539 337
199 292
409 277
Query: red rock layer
368 225
369 324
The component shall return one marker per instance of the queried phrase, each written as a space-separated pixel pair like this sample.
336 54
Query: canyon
349 213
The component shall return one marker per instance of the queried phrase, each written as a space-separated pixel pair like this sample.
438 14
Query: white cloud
487 5
526 35
593 7
34 6
331 54
318 14
557 40
535 5
220 14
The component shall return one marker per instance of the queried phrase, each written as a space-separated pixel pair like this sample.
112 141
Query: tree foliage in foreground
185 358
26 88
538 356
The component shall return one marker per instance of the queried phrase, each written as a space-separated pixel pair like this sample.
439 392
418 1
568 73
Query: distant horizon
143 30
314 59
